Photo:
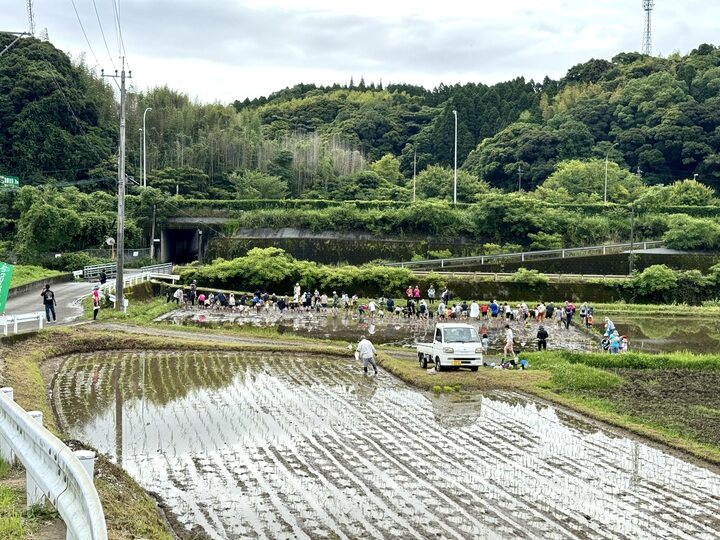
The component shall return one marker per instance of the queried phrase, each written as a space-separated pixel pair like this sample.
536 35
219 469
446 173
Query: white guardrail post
56 472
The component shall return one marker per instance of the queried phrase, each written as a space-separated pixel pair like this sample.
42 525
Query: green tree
388 168
258 185
587 178
438 183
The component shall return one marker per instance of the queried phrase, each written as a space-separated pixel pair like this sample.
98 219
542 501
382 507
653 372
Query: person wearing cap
366 352
609 327
542 337
96 301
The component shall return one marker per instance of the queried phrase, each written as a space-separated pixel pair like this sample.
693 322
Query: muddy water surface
391 330
284 446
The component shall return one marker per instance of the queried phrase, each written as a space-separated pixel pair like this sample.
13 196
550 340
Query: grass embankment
130 513
23 274
18 522
661 397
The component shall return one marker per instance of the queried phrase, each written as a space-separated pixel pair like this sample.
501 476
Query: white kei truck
454 345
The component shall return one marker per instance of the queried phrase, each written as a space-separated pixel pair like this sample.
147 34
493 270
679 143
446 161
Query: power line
102 32
121 42
97 62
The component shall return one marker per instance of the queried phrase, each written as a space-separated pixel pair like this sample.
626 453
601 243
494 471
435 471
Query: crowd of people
416 306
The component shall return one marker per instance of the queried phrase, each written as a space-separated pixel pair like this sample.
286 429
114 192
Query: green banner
6 271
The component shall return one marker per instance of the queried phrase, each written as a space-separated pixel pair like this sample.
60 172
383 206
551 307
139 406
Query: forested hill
658 116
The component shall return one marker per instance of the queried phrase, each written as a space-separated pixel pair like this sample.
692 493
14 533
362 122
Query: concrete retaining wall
15 291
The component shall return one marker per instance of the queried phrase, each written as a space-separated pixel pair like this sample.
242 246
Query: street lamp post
144 149
695 176
414 173
455 168
607 155
140 163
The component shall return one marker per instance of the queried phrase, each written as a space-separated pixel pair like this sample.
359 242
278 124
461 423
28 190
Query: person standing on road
49 302
366 352
103 277
96 301
431 294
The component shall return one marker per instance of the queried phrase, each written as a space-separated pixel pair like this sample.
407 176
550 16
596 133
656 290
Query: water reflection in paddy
285 446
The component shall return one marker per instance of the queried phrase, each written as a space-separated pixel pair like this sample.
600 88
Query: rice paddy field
292 445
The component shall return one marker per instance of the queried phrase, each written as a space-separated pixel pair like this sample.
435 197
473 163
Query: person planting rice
366 352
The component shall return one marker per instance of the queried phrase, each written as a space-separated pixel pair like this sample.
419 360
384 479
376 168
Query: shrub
531 278
657 278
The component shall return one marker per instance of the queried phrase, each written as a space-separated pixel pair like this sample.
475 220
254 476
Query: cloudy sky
222 50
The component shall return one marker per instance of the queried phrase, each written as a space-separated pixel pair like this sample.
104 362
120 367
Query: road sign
11 181
6 271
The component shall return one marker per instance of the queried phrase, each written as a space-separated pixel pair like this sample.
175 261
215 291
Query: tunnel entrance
182 245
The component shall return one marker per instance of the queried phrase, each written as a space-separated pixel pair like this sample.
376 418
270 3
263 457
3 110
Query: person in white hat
96 301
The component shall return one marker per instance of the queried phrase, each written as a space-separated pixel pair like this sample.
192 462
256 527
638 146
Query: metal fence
53 471
529 255
92 272
164 268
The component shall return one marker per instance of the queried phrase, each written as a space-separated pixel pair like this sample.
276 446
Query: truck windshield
460 335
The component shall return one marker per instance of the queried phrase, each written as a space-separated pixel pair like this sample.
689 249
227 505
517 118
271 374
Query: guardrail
53 470
530 255
14 320
551 277
164 268
92 272
128 281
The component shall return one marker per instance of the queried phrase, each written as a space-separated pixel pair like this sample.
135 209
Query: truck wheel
423 362
473 368
438 367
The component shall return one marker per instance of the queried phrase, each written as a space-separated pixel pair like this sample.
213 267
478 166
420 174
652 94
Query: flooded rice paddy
250 445
668 334
391 330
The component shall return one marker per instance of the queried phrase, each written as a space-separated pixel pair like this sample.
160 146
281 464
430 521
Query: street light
607 155
455 172
144 149
200 246
695 176
140 130
414 172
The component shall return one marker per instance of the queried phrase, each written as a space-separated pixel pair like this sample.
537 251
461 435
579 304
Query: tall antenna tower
31 17
648 6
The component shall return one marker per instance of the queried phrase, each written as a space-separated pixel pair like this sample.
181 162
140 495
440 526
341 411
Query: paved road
67 295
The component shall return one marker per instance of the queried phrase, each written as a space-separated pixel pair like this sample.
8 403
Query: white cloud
225 50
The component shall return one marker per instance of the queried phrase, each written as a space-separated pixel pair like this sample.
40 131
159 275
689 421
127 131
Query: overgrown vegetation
357 141
23 274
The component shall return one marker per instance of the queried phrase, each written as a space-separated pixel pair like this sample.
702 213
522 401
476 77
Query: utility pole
632 238
152 237
455 168
520 173
119 296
